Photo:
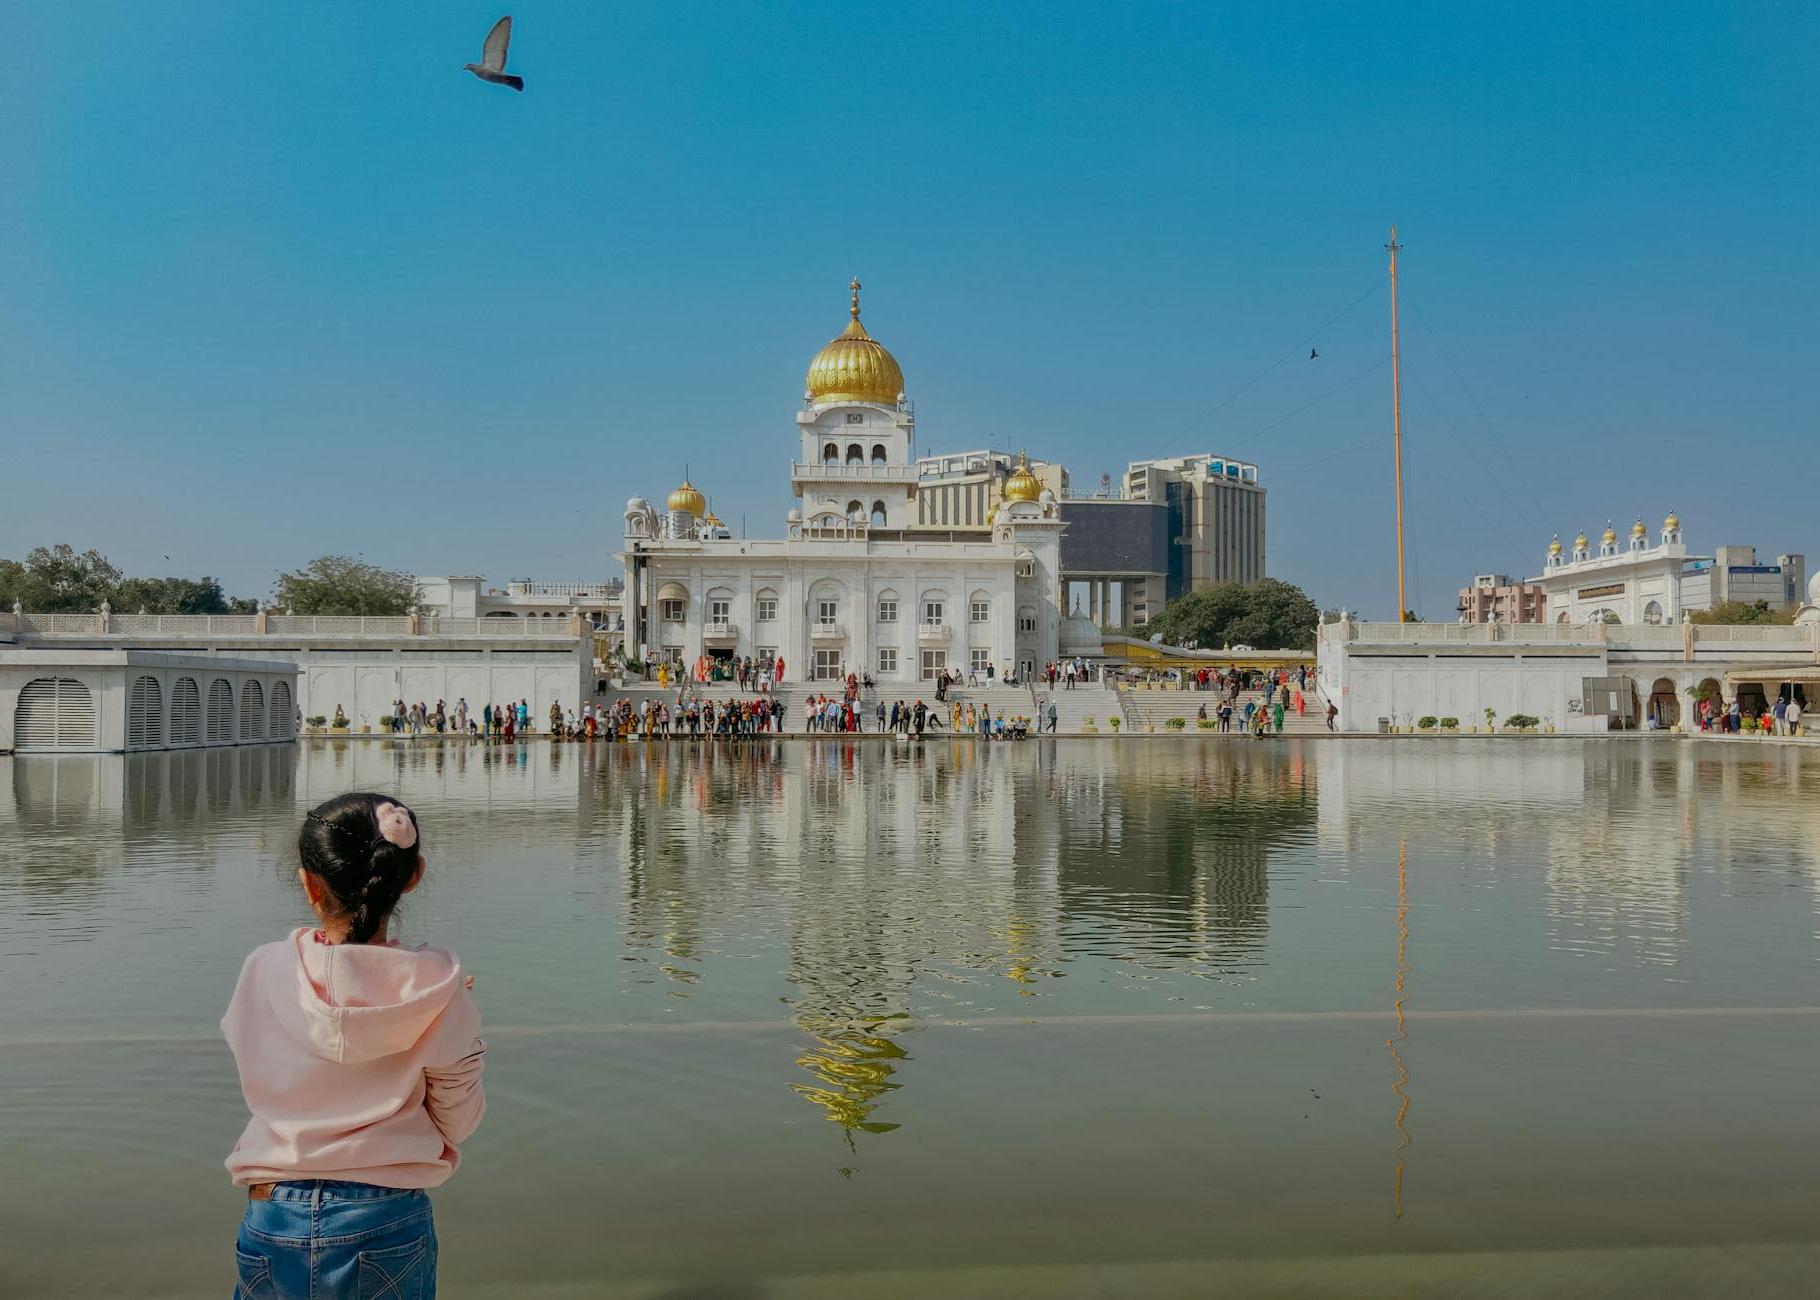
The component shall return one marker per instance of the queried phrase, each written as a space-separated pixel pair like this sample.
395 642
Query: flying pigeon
1312 354
492 65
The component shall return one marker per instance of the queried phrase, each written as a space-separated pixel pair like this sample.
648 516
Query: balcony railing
830 631
934 632
880 473
720 629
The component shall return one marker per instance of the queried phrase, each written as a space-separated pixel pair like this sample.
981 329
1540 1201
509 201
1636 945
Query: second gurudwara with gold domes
861 579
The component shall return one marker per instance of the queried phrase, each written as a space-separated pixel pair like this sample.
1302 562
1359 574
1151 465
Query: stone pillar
261 623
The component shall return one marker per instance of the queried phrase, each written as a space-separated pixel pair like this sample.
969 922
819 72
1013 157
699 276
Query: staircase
1146 707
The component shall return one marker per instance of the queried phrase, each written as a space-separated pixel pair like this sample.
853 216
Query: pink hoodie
360 1062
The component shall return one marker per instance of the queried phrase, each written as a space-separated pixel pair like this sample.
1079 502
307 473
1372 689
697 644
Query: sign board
1593 593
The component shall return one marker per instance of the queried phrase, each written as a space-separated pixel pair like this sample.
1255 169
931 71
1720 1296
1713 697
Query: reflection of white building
851 586
1636 582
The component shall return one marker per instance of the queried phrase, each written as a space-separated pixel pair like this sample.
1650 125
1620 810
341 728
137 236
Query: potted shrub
1176 724
1491 719
1206 724
1450 724
1087 726
1521 722
1115 725
315 723
1426 723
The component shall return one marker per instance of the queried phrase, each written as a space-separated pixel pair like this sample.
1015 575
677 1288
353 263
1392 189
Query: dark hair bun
341 844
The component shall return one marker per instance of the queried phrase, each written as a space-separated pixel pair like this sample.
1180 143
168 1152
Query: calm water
1061 1019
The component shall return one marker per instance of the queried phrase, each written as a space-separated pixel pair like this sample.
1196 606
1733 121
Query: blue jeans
320 1240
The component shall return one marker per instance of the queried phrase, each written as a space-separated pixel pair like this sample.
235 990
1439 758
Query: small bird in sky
1312 354
492 65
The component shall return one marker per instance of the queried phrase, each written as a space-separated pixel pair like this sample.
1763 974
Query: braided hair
341 844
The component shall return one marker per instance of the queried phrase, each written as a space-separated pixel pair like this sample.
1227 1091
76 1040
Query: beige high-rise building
1216 517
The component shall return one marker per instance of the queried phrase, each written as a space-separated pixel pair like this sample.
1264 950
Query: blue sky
284 280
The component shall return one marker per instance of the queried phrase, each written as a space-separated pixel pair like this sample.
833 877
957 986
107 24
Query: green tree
1268 615
1738 611
58 580
171 596
338 584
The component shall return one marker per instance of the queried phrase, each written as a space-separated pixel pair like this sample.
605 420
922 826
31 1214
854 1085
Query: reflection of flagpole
1399 1088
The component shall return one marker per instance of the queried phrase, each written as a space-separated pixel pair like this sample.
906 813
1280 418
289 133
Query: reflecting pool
1064 1018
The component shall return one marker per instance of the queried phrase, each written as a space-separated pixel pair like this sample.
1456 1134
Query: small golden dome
1638 530
1554 547
687 499
1672 524
1610 535
713 520
1023 485
855 367
1580 542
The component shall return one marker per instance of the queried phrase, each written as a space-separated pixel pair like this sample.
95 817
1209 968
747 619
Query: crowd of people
1780 717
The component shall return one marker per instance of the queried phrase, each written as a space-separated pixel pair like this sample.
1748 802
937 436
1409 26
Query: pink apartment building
1494 598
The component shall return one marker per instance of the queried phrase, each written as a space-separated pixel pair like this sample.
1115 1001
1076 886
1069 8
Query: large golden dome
855 367
1023 485
687 499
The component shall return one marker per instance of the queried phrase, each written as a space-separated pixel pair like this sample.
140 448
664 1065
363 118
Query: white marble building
1636 582
849 586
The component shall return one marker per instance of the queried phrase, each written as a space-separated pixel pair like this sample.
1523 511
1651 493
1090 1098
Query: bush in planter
1206 724
1450 724
317 721
1115 724
1176 724
1427 723
1521 721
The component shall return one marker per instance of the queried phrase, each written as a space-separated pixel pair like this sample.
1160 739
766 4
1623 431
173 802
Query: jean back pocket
254 1277
404 1272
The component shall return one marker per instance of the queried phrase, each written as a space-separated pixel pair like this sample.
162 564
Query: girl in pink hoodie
360 1061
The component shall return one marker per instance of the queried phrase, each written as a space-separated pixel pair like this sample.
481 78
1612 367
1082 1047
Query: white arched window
1026 618
878 514
935 608
887 606
279 720
145 714
979 607
824 604
856 455
831 454
720 606
764 605
221 712
252 711
878 453
54 713
1652 612
186 712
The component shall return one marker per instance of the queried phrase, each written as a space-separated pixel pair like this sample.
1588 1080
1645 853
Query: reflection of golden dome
1022 485
1610 535
1672 523
1554 547
855 367
687 499
1580 542
1638 530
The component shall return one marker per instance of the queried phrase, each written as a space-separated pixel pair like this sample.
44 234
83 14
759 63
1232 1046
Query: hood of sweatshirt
355 1002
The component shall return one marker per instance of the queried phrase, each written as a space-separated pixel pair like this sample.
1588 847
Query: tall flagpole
1396 415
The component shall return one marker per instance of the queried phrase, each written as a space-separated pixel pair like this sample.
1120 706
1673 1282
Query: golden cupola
688 500
1554 547
1638 530
855 367
1672 524
1610 536
1580 541
1023 485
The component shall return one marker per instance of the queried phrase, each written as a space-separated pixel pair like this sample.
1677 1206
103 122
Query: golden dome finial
688 499
1672 523
1023 485
1610 535
855 367
1554 547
